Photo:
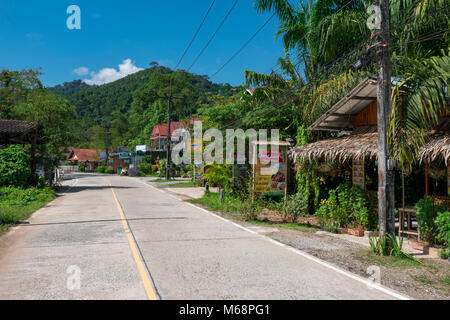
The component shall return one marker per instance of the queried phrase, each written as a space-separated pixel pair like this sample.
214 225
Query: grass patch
231 204
17 204
290 225
240 211
392 261
183 185
422 279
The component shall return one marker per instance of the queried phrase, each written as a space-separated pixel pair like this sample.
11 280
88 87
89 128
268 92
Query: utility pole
385 164
169 138
169 98
107 134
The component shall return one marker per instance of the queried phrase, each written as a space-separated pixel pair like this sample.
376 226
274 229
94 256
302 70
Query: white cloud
108 75
81 71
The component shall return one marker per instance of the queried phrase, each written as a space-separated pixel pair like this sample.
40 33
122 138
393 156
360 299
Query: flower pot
434 252
342 230
418 245
356 232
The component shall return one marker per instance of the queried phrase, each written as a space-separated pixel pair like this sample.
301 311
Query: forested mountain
132 105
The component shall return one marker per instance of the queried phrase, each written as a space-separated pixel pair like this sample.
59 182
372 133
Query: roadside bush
15 166
389 246
218 175
145 168
155 168
427 213
102 169
443 224
16 203
347 206
296 206
133 172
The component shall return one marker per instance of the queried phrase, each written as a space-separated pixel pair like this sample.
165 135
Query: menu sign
358 173
270 170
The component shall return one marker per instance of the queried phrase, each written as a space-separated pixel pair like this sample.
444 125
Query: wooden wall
367 117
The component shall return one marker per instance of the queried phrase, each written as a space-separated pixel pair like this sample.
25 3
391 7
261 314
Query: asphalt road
80 247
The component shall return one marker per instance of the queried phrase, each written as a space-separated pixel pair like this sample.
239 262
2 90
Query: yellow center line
148 286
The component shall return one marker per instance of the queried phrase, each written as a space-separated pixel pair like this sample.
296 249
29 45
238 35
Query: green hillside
131 106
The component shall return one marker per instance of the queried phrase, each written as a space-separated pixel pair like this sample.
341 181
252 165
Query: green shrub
347 206
389 246
102 169
17 203
145 168
155 168
218 175
443 224
427 213
296 206
15 166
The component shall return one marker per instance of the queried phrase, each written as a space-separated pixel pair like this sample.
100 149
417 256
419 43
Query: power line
195 35
212 37
243 47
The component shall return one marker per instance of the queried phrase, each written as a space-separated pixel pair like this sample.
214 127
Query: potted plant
356 230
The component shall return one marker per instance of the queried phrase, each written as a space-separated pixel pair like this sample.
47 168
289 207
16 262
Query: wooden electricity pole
169 98
385 164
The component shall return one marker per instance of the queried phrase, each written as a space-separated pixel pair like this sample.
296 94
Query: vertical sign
448 179
267 182
196 149
358 173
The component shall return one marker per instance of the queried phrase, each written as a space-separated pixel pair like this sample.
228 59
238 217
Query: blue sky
34 34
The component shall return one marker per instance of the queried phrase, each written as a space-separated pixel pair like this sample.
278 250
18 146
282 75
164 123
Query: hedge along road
111 237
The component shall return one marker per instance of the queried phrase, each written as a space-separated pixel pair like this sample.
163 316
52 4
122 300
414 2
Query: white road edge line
370 284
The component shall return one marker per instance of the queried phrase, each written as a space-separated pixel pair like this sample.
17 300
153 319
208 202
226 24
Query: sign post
270 169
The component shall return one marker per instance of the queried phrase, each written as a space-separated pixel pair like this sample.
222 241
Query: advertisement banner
270 170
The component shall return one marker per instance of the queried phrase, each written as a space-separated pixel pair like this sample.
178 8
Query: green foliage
131 106
102 169
218 175
17 203
145 168
15 166
427 213
347 206
389 245
443 224
308 183
296 206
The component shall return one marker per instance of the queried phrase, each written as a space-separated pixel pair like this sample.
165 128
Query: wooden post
385 177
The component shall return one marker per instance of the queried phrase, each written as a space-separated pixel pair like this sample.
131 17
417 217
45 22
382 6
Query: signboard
142 149
102 156
358 173
196 150
270 170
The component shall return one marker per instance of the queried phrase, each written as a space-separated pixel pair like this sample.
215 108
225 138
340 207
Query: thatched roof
437 148
341 149
360 146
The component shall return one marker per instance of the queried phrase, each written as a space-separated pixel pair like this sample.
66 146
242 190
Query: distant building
158 139
89 157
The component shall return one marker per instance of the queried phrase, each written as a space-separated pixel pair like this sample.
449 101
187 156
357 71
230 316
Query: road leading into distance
124 239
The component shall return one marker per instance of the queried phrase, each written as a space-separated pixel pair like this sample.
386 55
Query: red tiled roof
160 130
83 155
